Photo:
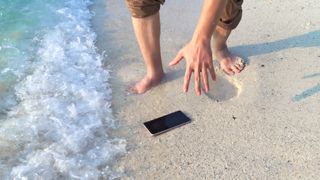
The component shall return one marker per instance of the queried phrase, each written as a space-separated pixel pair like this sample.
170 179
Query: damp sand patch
224 88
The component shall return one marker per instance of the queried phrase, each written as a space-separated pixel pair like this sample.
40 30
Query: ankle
220 38
220 47
155 74
219 43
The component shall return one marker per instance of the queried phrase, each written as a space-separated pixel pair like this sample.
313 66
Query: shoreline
58 127
256 132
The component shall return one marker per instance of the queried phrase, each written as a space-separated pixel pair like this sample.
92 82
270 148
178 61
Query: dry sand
261 124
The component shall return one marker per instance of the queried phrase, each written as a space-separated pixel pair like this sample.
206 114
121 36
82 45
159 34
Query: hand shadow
172 75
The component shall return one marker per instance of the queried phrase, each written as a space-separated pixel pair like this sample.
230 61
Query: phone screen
166 122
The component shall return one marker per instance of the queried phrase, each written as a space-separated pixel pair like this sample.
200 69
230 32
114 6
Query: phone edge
156 134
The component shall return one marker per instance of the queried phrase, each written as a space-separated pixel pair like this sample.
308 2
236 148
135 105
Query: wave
61 126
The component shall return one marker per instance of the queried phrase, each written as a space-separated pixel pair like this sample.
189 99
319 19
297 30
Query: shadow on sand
311 39
309 92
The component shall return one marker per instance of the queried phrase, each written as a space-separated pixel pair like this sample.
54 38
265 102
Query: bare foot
146 84
229 63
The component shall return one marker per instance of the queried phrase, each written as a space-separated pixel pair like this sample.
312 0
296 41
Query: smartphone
167 122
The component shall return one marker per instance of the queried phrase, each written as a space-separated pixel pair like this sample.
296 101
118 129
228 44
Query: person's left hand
198 56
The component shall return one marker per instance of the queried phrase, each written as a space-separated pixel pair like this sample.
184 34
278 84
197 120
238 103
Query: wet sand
260 124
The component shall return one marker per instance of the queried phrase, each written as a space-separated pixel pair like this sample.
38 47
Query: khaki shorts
230 17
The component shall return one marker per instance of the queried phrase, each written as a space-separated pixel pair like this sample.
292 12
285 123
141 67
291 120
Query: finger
187 77
177 59
205 78
197 81
212 72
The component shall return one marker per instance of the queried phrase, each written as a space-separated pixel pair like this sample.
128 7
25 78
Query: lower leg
147 32
230 63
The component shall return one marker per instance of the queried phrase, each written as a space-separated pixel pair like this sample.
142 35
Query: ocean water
55 114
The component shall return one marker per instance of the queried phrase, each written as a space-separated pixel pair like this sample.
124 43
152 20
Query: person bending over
218 18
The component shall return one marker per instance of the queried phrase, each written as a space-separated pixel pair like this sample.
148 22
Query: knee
231 15
143 8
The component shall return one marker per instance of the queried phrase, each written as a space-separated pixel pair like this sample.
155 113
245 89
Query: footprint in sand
223 89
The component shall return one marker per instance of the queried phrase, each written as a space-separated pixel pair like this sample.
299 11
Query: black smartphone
167 122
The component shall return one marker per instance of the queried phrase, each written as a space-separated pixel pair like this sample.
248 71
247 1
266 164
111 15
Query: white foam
60 127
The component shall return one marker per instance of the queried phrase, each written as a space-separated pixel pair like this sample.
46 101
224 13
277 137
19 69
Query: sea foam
60 128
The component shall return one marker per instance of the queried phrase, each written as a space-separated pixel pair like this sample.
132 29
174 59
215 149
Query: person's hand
198 58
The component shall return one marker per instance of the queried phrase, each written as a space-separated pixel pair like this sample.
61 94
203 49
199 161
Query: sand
261 124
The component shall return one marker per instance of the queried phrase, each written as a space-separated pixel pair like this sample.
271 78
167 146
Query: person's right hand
198 56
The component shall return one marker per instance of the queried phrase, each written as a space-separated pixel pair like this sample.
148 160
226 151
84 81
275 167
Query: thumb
177 59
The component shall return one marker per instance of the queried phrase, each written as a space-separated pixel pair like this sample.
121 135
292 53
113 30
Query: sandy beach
261 124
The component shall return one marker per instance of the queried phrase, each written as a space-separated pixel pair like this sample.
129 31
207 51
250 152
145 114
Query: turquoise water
22 23
55 100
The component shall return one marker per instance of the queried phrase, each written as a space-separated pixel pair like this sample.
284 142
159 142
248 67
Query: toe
240 62
132 90
239 67
235 69
135 88
228 71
